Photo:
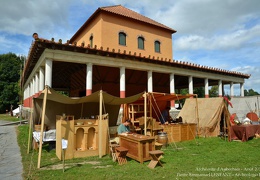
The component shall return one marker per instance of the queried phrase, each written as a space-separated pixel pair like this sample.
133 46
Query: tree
213 92
250 92
10 68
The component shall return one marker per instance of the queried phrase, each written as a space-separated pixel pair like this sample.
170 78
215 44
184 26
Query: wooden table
243 132
138 146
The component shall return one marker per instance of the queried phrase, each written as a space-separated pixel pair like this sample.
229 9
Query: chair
113 141
151 125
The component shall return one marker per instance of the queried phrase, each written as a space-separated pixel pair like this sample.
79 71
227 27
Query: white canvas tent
244 105
207 113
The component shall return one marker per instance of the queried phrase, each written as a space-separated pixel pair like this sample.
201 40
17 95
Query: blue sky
223 34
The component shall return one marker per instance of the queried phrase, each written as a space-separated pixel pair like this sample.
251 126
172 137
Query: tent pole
99 125
42 125
145 113
81 113
30 130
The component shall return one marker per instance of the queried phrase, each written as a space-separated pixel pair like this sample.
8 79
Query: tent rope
166 125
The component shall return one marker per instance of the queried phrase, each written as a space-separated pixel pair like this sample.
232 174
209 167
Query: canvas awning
93 98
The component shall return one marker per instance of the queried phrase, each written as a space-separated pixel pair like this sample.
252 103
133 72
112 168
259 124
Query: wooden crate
184 132
192 131
37 128
180 132
176 133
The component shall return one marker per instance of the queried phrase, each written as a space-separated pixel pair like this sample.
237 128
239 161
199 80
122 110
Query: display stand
82 136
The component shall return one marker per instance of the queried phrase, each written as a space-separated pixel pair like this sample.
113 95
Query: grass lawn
7 117
203 158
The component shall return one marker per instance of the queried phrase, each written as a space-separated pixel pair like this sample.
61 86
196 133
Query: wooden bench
155 158
121 155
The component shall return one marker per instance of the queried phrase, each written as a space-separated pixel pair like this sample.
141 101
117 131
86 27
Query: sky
217 33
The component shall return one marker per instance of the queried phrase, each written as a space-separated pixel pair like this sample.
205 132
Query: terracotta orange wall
105 29
133 30
93 29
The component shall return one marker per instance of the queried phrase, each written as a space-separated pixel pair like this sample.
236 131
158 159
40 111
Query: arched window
140 43
122 38
157 46
91 41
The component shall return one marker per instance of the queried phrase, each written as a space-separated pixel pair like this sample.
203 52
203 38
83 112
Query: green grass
7 117
203 158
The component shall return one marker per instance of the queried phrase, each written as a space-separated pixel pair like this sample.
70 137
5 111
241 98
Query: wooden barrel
163 138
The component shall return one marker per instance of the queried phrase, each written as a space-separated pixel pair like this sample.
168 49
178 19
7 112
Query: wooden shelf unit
135 111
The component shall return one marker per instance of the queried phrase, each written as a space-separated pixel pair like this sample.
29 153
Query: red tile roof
121 11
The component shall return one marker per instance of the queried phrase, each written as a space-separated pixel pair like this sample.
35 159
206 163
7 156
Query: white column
41 79
206 84
34 85
231 89
37 83
150 81
122 82
25 92
190 85
31 88
122 94
220 94
48 72
172 84
242 90
172 90
89 79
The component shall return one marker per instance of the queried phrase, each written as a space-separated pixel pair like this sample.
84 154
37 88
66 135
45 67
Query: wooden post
42 125
197 116
30 132
63 159
145 114
99 125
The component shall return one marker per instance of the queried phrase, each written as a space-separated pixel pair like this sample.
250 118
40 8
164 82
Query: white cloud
231 40
28 16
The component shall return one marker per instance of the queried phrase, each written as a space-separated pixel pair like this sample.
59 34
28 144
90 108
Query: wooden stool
113 151
155 158
158 146
121 155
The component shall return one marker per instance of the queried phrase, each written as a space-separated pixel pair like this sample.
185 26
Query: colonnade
43 76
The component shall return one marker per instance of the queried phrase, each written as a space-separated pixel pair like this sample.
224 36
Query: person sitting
124 127
36 37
